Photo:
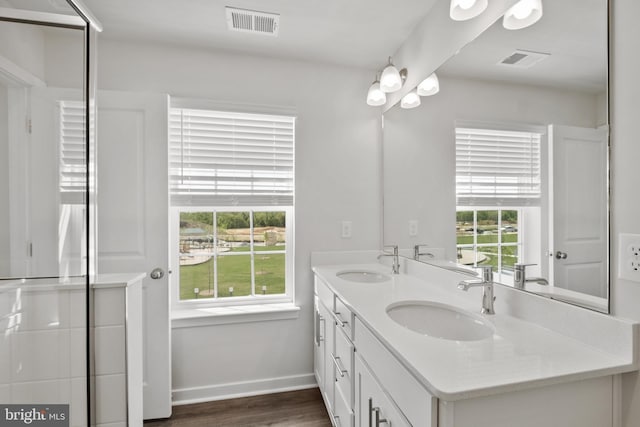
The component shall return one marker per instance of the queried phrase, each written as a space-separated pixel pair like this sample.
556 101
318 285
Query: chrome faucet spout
520 277
395 266
486 282
417 254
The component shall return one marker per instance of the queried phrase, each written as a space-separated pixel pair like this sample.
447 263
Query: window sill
209 316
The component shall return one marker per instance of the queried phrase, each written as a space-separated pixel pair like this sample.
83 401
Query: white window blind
495 167
73 167
230 159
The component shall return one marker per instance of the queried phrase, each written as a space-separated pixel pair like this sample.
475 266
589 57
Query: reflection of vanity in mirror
507 164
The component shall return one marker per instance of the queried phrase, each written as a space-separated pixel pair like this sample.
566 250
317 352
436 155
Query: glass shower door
44 233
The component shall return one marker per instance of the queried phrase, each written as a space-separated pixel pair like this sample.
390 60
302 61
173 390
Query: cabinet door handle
336 418
378 420
336 361
319 337
339 319
370 412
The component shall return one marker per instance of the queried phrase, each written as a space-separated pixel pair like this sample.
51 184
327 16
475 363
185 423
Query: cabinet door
373 407
327 326
318 344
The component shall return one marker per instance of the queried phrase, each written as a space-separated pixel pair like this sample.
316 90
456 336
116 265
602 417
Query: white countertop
519 355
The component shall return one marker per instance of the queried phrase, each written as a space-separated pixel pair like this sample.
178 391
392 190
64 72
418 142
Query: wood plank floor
303 408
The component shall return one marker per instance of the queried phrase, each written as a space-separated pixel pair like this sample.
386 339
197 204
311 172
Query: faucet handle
523 266
394 247
486 272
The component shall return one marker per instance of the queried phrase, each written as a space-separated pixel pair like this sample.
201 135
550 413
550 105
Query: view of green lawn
509 253
235 271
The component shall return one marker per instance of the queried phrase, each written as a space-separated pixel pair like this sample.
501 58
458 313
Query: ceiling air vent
251 21
523 58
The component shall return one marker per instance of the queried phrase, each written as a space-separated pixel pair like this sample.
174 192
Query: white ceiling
363 33
574 32
360 33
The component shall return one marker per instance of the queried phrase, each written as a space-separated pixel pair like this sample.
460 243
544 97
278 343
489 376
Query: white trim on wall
210 393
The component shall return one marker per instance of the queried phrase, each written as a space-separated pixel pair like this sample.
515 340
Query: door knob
157 273
561 255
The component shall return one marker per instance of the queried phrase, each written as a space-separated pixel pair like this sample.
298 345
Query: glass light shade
375 96
462 10
410 100
390 80
429 86
522 14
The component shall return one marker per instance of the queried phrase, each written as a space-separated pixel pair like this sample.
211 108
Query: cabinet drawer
324 293
343 360
344 318
343 415
409 395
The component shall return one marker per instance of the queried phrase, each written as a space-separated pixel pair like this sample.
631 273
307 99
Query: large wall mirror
508 163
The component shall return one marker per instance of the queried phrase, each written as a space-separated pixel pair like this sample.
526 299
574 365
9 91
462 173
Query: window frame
256 299
520 244
203 311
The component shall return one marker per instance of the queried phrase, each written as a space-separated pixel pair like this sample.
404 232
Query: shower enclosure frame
86 22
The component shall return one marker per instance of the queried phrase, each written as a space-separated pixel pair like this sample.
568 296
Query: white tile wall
40 355
109 307
112 399
112 339
42 351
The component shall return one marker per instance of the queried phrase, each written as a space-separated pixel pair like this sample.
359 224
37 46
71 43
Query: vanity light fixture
462 10
429 86
391 79
375 96
410 100
522 14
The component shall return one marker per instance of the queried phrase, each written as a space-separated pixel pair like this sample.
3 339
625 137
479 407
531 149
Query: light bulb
390 80
466 4
522 14
429 86
522 9
462 10
375 96
410 100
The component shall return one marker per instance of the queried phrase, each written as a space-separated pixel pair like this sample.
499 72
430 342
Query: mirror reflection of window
498 174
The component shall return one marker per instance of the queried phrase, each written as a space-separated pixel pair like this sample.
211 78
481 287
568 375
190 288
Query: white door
579 239
133 221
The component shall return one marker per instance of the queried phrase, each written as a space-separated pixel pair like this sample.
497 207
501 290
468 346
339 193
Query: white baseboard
185 396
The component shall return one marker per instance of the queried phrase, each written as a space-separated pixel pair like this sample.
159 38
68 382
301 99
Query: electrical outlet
347 227
629 257
413 228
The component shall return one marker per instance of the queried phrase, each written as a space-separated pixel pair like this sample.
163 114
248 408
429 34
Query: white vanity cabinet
373 372
334 354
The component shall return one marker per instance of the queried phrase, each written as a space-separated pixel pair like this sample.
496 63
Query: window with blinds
230 159
497 168
72 142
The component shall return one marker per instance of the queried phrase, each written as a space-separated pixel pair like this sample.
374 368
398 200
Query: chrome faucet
520 277
395 266
486 282
417 253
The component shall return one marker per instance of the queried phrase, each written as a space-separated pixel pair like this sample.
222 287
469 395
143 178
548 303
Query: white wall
419 149
26 48
337 178
4 184
625 150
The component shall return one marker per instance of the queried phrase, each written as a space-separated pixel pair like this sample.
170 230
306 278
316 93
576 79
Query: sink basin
363 276
440 320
